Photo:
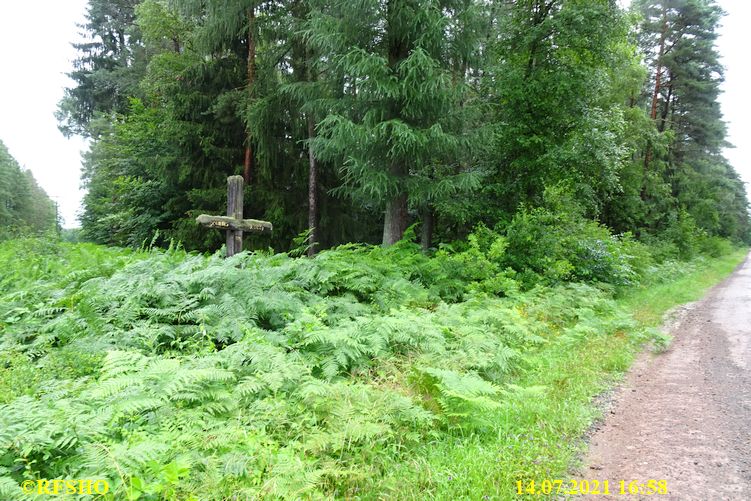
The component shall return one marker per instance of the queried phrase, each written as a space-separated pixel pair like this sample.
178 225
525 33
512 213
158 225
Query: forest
481 212
24 206
351 121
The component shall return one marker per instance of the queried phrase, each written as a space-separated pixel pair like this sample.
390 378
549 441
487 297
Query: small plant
660 340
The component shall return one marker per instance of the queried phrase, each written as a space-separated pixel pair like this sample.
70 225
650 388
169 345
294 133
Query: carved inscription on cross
233 222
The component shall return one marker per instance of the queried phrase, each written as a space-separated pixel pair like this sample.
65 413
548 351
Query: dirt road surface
684 416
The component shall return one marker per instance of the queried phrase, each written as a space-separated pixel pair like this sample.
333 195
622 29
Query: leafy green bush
682 232
714 246
479 265
683 240
557 246
660 249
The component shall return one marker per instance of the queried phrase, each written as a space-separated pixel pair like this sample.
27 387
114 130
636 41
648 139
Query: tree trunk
540 12
666 108
396 216
312 190
656 93
428 223
395 221
660 54
248 162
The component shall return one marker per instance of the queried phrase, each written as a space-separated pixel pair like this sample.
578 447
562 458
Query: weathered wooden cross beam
233 222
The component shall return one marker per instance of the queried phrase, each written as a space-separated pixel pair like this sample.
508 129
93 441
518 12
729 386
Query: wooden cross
233 222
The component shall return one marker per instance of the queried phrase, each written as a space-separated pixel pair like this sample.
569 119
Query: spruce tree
109 67
398 127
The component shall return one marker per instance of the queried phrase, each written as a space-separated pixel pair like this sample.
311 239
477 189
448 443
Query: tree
24 206
397 125
108 70
551 81
353 120
678 40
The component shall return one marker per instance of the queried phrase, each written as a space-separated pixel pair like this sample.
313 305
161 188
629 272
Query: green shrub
714 246
660 249
480 265
683 240
553 247
684 234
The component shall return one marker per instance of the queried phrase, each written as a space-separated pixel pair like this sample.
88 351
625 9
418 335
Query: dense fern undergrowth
183 376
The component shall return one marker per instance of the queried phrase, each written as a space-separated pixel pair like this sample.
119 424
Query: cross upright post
235 211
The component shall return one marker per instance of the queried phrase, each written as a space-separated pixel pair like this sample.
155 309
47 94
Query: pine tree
678 40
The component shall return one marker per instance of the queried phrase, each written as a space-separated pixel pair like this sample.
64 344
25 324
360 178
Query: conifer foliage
678 39
403 129
24 205
353 120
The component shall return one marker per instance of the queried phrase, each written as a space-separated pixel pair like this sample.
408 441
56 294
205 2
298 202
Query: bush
480 265
660 249
684 234
683 240
714 246
559 244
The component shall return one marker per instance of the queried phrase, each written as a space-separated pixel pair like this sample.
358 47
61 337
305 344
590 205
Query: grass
649 302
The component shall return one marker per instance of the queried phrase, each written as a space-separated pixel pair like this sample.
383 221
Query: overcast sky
734 46
35 54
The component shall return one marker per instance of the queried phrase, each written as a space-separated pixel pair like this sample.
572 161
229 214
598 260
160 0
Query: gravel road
684 416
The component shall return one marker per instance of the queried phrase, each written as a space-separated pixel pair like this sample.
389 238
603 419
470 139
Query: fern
465 400
264 375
